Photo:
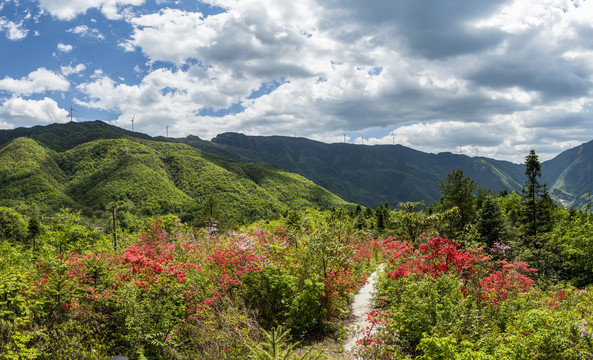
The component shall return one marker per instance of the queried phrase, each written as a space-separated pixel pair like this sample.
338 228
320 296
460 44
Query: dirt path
362 304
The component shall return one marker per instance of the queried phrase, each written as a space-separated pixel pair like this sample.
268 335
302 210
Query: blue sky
493 78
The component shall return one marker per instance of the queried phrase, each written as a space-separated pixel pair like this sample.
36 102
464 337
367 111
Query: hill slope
149 177
570 175
367 175
30 174
370 175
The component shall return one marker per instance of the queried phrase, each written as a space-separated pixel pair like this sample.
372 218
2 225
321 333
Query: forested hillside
476 275
403 174
366 175
143 178
569 176
370 175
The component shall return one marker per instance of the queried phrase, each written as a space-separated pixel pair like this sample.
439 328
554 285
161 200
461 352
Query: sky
478 77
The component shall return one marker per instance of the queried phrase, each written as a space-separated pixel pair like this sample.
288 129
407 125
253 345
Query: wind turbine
361 138
133 122
71 111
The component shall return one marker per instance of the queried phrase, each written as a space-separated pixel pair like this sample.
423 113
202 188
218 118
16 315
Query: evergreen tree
34 230
531 192
491 222
381 214
358 210
538 206
458 192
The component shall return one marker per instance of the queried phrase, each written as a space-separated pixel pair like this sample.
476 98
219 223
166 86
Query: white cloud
499 76
38 81
168 93
17 112
69 70
64 47
128 46
253 38
68 10
85 31
164 35
14 31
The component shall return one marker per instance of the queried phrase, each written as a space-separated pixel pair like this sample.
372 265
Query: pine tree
531 192
491 222
381 215
458 192
538 206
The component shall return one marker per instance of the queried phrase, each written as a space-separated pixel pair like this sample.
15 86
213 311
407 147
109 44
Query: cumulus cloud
68 10
17 112
14 31
497 76
252 39
85 31
38 81
64 47
69 70
435 70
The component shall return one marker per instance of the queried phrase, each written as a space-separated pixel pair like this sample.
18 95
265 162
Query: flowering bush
174 293
439 301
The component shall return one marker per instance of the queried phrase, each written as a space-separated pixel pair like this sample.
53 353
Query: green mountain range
570 176
92 165
369 175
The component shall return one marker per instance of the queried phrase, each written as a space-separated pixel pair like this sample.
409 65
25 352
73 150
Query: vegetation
174 292
507 287
239 264
400 174
145 178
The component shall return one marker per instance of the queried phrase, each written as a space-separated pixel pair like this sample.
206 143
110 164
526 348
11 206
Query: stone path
362 304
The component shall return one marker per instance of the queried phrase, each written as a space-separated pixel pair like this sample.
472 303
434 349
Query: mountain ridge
363 174
145 178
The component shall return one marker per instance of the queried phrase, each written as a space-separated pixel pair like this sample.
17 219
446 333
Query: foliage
458 192
174 292
491 223
274 347
12 226
536 215
438 301
147 178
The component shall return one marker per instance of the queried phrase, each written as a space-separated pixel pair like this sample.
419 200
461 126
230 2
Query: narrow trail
362 304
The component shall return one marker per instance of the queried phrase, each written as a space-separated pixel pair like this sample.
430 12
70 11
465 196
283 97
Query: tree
511 206
538 207
458 192
410 219
531 192
491 222
12 225
382 216
33 229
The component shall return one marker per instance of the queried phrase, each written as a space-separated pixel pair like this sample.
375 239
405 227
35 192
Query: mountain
29 173
569 176
367 175
145 177
62 137
370 175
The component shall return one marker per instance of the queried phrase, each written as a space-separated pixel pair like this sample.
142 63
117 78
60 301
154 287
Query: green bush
12 226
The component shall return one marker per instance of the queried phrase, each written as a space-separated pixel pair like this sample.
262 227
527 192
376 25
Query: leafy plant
275 347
